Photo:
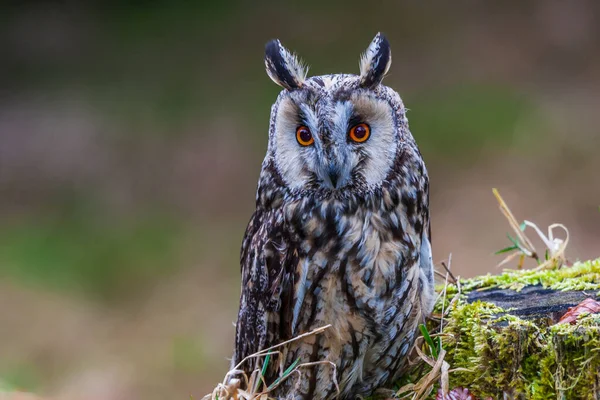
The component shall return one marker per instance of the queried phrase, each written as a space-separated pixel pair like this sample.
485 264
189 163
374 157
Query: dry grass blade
523 243
555 247
335 381
230 388
439 274
514 224
263 352
423 388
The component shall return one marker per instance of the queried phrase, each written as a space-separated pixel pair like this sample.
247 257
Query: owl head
334 133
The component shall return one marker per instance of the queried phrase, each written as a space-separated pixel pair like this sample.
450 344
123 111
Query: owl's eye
360 133
303 136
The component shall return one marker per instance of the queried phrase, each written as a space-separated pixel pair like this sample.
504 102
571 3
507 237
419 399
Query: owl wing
268 261
426 260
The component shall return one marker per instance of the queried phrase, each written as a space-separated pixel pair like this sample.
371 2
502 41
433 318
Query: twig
448 268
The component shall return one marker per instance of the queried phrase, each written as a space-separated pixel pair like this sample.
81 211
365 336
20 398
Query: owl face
334 132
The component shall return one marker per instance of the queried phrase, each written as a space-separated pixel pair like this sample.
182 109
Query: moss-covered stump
503 337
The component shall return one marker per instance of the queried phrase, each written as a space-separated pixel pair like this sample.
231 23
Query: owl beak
334 175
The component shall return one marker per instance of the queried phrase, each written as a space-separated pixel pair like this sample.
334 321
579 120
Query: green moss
587 276
496 353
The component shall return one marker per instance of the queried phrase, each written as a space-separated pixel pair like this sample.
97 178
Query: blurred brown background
131 137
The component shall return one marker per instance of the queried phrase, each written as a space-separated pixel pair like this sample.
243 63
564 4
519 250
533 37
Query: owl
340 235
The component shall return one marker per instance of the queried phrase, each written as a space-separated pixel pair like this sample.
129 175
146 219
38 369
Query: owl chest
351 269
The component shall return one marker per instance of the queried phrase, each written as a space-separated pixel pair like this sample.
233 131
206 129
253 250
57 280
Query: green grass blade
285 374
506 250
429 341
513 240
265 365
263 371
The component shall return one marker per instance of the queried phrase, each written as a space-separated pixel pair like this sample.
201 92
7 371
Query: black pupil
305 135
360 132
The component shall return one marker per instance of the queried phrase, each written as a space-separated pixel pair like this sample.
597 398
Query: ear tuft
284 67
375 62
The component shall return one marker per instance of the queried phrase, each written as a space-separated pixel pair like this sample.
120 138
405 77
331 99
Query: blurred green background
131 137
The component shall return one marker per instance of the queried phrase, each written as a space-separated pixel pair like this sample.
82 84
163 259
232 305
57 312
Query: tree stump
503 337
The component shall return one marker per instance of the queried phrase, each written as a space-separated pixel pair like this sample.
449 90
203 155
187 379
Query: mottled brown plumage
340 234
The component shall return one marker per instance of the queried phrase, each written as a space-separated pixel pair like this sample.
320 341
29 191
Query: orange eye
303 136
360 133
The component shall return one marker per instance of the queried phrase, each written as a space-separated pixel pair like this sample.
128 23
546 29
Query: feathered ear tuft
375 62
284 67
